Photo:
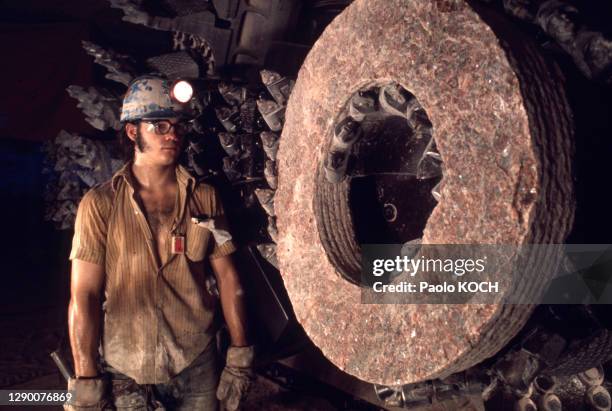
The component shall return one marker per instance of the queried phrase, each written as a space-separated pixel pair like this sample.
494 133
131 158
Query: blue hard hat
149 97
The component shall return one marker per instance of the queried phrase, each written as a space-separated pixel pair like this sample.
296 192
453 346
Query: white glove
221 236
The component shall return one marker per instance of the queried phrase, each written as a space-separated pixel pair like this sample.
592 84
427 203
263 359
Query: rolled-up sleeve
218 214
89 241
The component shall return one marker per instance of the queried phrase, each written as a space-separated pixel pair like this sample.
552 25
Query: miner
141 316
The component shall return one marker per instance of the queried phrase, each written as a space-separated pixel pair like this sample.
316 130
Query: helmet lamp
182 91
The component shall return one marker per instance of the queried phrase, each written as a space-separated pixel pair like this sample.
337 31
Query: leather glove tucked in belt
236 377
88 394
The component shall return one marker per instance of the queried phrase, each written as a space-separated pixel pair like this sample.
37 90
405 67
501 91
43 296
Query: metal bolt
544 384
550 402
336 159
361 105
346 131
394 99
335 166
229 142
598 398
390 212
270 142
592 376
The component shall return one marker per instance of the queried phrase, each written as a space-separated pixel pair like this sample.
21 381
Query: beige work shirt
157 319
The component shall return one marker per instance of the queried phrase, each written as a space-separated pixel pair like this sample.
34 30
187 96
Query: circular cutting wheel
503 133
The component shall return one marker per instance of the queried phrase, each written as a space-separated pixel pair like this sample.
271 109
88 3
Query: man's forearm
84 329
232 300
232 304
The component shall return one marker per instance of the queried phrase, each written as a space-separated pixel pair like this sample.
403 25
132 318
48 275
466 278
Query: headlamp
181 91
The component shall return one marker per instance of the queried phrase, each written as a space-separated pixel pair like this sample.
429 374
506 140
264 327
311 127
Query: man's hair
126 144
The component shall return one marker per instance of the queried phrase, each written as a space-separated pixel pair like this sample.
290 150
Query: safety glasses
163 127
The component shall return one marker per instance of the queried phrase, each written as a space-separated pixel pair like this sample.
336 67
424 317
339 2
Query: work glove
236 377
220 234
87 394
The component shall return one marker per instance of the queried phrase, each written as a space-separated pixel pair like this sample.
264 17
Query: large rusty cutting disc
501 125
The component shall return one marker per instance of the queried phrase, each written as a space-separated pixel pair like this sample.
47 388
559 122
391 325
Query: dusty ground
28 337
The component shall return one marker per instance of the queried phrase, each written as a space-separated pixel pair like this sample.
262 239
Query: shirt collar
183 177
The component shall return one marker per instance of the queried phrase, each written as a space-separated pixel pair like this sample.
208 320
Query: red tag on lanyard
178 244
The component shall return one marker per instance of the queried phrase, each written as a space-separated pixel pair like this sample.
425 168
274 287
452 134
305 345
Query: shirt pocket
198 242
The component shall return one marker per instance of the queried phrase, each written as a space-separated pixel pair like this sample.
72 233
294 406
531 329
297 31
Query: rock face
501 125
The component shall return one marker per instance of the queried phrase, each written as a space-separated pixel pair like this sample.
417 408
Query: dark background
40 43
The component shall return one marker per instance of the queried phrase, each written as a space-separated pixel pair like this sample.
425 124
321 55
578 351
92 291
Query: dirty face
157 141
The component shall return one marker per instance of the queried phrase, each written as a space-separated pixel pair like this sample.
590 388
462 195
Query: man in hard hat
138 285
